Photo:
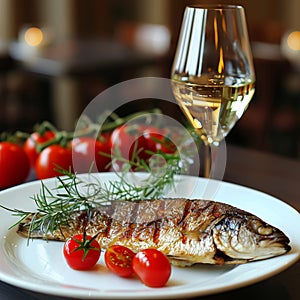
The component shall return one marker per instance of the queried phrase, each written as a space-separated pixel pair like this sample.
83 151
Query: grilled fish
187 231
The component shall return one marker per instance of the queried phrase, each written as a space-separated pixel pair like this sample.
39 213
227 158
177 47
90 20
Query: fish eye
265 230
260 227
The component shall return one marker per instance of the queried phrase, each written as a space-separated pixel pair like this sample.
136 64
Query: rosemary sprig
159 177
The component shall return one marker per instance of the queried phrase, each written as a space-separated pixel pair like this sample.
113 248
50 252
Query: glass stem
207 157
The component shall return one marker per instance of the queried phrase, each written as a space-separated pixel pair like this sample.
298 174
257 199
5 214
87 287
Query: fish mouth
271 237
276 241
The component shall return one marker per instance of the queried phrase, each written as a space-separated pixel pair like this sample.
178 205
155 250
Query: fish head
245 238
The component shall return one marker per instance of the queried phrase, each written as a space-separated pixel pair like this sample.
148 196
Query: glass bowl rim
216 6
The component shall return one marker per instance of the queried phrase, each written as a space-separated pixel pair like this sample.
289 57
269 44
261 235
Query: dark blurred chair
23 99
257 120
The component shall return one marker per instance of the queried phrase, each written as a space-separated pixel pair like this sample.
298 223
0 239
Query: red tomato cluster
48 156
151 266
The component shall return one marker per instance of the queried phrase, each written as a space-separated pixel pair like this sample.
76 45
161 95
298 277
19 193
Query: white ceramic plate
39 266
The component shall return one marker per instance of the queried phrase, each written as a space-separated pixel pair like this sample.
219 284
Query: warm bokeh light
33 36
293 40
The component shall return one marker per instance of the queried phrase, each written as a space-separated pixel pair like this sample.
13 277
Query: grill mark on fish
186 211
160 222
188 231
106 231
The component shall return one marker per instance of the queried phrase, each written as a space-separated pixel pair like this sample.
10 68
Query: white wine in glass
212 74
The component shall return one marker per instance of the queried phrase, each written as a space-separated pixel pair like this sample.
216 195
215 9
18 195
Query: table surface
278 176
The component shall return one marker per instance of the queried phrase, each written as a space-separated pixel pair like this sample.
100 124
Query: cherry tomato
118 259
138 140
87 154
14 165
51 159
152 267
81 252
31 143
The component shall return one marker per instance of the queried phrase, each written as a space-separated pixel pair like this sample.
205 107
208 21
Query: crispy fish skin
187 231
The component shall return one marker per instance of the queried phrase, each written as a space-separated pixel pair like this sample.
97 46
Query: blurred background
57 55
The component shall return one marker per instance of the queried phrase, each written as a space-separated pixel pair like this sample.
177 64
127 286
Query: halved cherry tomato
118 259
14 165
81 252
51 159
33 141
152 267
88 154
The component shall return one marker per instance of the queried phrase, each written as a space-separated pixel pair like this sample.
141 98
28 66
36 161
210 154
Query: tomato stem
85 244
88 128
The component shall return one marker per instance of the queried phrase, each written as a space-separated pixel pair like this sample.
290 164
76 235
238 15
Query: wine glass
212 74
